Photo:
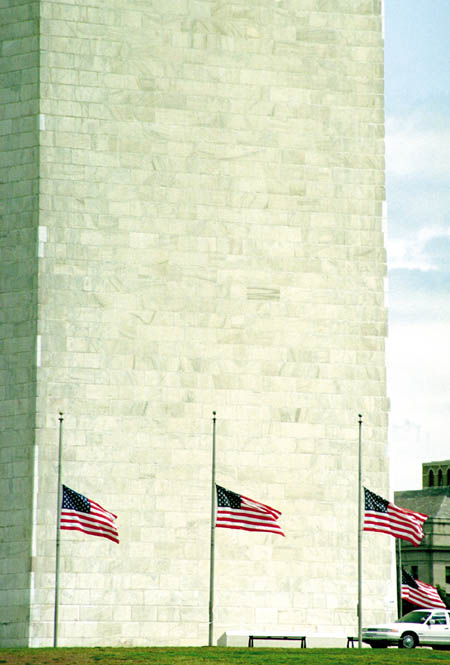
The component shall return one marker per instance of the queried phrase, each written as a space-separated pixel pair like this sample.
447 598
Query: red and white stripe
99 522
397 522
251 516
425 596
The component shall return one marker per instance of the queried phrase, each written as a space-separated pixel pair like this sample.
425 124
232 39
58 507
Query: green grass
218 656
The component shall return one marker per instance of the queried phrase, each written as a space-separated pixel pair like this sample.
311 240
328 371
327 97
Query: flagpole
399 578
58 514
359 533
213 515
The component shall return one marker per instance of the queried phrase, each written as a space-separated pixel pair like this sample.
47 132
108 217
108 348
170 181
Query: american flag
78 513
419 593
383 516
235 511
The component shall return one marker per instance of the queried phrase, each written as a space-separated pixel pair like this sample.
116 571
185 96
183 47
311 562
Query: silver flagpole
213 527
399 578
359 534
58 514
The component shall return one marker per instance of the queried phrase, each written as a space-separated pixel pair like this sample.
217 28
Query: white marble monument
193 221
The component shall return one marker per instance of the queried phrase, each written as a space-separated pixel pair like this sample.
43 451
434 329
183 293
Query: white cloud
414 250
416 146
419 388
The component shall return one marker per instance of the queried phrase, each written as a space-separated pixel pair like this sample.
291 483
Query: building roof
432 501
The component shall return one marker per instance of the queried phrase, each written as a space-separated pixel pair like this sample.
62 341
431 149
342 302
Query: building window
430 478
447 574
415 572
448 476
440 480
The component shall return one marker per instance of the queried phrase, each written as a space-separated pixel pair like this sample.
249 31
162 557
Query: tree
444 596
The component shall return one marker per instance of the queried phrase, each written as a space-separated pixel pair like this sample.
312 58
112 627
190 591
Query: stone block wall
211 197
19 77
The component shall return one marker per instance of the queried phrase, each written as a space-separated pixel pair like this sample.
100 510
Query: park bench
301 638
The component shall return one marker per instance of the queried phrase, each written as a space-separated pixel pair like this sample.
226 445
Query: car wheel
408 641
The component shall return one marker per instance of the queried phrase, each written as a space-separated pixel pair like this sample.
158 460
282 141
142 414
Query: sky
417 117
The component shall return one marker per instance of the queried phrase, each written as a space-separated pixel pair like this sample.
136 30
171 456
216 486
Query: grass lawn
217 656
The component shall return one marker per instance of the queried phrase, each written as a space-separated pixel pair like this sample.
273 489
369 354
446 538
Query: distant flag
78 513
419 593
235 511
383 516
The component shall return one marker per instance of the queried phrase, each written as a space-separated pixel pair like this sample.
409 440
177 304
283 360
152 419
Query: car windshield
417 616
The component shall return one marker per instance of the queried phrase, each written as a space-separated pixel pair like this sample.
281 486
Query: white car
424 627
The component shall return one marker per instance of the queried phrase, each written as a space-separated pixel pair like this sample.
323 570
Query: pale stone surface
211 185
18 270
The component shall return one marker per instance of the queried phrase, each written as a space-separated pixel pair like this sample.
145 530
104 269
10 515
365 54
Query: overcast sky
417 104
